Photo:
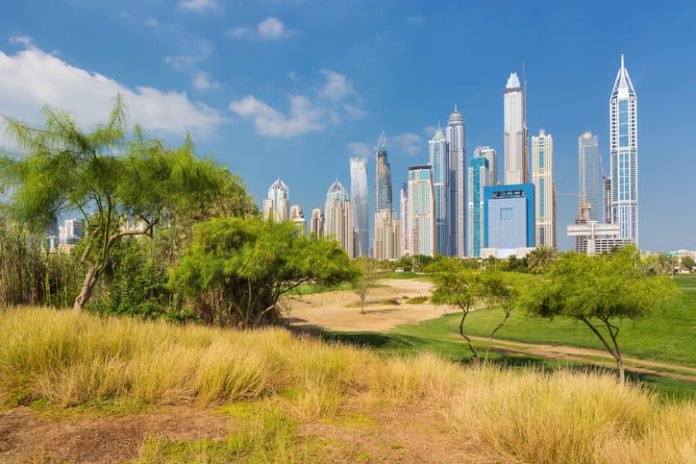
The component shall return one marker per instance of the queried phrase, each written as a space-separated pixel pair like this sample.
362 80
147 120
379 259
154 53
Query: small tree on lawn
687 263
459 287
370 272
500 290
599 291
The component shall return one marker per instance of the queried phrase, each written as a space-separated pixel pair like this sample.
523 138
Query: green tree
370 272
459 287
687 263
500 290
540 258
237 269
599 291
122 188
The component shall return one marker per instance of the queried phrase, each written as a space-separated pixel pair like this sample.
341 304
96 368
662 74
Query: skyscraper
545 189
339 218
623 129
403 216
316 223
276 205
490 155
439 162
358 192
606 190
421 211
590 176
387 236
478 175
456 144
383 190
516 163
297 218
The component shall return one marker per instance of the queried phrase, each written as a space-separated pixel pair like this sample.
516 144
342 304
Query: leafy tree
420 262
599 291
459 287
370 273
540 258
515 264
500 290
405 263
237 269
122 188
687 263
663 264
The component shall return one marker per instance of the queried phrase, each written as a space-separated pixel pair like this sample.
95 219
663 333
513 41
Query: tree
122 188
687 263
238 268
540 258
599 291
460 287
664 264
500 290
370 272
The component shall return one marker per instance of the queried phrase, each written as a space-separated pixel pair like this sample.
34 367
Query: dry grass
73 359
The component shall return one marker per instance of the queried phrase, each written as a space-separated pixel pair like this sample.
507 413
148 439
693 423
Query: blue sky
294 88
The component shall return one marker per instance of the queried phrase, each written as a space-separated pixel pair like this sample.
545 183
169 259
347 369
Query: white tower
516 168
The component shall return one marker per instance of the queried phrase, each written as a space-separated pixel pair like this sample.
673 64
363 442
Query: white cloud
33 78
151 22
238 32
196 51
198 5
201 81
303 117
408 142
354 111
336 86
20 39
272 28
360 149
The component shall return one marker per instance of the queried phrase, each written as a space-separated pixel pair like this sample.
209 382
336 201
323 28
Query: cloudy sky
293 88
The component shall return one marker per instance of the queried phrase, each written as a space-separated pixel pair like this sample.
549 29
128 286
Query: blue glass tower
478 178
439 162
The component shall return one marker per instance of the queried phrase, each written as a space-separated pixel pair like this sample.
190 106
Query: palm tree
540 258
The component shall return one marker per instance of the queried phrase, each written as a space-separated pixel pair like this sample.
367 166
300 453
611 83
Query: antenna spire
622 61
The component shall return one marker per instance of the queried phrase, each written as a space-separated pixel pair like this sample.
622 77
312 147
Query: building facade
421 211
509 216
544 189
490 155
623 130
516 162
478 178
439 162
387 236
358 195
403 216
383 185
590 176
276 206
298 219
456 146
338 222
316 223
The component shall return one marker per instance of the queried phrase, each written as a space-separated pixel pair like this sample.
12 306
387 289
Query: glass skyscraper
623 129
478 178
383 177
456 146
421 211
590 176
439 162
358 193
490 154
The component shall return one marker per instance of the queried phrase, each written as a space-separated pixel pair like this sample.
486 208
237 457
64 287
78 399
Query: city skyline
251 102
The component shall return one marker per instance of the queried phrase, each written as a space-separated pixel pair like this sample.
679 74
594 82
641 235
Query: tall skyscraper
456 144
623 129
316 223
403 216
590 176
490 155
383 186
439 162
545 189
478 174
516 162
387 236
421 211
297 218
276 205
339 218
358 194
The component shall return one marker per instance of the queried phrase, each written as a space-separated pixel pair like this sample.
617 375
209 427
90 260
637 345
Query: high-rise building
358 195
403 216
298 219
590 175
387 236
490 155
509 218
478 178
70 232
276 205
456 145
516 162
383 185
439 162
421 211
545 189
623 129
316 223
606 189
593 237
338 222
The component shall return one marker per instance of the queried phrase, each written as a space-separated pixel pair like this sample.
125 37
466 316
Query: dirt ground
340 310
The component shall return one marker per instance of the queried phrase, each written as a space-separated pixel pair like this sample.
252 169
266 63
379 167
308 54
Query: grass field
277 382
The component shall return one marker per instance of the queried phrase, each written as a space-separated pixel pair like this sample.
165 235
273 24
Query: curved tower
358 193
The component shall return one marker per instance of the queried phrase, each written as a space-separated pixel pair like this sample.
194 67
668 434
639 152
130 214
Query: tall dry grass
528 416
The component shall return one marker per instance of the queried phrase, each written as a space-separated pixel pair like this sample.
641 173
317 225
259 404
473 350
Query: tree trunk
474 354
87 288
490 339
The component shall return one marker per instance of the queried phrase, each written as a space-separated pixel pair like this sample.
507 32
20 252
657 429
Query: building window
505 214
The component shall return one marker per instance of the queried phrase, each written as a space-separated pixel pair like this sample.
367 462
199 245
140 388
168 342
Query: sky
294 88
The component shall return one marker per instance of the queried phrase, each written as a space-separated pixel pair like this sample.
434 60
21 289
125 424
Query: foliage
599 291
660 264
687 262
237 269
370 273
500 290
539 259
